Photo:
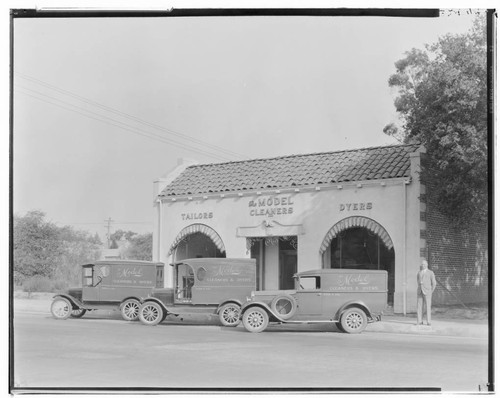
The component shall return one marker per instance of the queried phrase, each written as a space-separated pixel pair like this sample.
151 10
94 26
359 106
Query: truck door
107 290
184 281
309 297
90 291
159 276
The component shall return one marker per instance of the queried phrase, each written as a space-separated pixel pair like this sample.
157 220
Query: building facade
357 209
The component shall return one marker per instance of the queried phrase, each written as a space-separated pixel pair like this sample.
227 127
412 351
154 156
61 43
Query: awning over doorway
194 228
352 222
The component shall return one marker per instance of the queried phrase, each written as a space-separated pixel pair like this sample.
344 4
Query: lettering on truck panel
127 272
352 279
350 282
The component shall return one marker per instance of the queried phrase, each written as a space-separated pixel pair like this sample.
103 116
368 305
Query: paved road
97 351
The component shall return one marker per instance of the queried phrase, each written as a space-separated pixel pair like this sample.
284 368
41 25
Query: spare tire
284 306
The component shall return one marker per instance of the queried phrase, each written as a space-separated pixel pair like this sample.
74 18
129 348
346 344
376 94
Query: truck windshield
88 276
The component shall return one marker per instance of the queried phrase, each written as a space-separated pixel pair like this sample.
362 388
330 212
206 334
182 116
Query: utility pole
108 235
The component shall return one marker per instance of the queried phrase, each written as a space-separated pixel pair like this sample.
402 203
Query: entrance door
288 268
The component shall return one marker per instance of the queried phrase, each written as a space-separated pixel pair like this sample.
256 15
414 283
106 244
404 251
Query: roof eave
294 189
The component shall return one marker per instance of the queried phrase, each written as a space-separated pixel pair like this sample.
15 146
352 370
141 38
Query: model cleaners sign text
271 206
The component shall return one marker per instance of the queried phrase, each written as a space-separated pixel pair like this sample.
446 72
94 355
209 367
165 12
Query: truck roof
214 261
125 262
330 271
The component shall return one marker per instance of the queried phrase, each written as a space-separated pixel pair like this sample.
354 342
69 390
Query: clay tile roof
294 171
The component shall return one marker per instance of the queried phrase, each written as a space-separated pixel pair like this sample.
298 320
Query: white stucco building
348 209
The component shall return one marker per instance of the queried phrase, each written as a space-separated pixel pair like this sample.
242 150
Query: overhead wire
113 122
114 222
129 116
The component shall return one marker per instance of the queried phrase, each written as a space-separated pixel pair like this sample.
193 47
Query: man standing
426 285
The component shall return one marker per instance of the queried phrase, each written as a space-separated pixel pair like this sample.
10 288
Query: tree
96 240
37 247
119 234
79 247
140 247
42 249
442 104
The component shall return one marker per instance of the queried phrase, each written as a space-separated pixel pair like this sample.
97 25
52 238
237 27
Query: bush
38 283
59 285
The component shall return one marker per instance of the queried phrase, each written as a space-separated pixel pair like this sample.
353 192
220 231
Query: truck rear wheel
61 308
78 313
130 309
229 314
151 313
353 320
255 319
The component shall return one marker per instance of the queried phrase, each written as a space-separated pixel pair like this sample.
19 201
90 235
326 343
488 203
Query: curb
438 328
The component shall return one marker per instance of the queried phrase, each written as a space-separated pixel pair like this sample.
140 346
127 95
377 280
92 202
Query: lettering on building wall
356 206
197 216
271 206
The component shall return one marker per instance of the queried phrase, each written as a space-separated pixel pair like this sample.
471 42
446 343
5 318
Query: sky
104 106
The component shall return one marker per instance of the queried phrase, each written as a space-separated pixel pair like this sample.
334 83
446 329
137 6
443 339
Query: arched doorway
195 241
360 243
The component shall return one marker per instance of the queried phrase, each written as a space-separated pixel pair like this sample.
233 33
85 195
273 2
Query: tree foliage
133 246
42 249
119 234
442 103
140 247
37 247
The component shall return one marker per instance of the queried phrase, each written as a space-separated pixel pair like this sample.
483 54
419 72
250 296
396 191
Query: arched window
359 243
197 240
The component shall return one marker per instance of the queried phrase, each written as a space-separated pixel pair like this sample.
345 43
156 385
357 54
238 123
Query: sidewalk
440 327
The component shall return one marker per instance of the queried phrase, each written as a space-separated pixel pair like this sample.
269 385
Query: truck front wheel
151 313
61 308
353 320
255 319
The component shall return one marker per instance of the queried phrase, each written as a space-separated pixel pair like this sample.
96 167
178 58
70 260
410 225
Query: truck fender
159 302
237 302
355 303
131 298
77 304
272 315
